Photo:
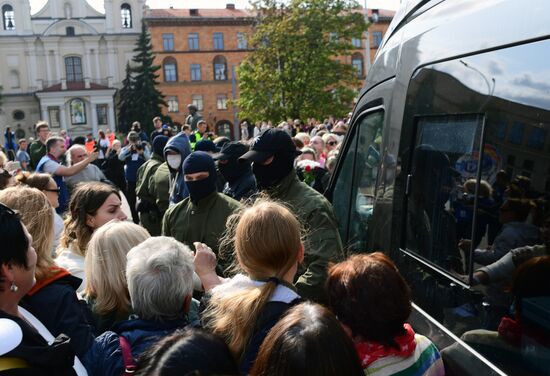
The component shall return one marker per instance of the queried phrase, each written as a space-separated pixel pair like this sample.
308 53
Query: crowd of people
182 252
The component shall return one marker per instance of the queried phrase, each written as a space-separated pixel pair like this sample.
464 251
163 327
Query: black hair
15 243
191 351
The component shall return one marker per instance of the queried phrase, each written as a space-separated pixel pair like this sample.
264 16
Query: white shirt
73 262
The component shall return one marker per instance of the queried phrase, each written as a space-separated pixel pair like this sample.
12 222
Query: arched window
8 16
220 68
73 69
78 111
126 16
170 67
357 62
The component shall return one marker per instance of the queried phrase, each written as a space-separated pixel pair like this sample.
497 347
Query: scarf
370 351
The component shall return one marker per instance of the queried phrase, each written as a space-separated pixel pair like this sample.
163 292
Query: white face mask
174 161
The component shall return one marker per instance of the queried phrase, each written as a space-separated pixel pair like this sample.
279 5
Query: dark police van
455 105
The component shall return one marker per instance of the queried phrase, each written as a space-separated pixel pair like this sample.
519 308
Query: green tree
125 101
295 70
146 98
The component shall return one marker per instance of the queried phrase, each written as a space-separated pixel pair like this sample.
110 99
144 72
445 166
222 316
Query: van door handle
408 185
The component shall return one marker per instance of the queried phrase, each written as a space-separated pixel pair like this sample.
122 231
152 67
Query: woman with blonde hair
48 186
92 205
53 298
106 288
268 248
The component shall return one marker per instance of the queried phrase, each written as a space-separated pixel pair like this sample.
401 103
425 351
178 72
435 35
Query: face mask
270 175
233 169
199 189
174 161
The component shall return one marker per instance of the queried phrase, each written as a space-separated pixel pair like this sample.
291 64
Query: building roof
201 13
225 13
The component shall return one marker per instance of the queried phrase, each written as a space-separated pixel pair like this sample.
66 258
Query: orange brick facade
179 87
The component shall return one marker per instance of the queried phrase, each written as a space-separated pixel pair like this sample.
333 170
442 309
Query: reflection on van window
353 198
443 143
498 226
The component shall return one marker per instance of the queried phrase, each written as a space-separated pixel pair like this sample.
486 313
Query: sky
36 5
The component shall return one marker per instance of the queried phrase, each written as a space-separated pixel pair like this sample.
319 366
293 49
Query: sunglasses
56 190
332 143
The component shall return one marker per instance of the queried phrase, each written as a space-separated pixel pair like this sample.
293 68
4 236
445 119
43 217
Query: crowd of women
137 311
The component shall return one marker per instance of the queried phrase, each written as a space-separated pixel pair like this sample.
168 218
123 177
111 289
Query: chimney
193 12
230 6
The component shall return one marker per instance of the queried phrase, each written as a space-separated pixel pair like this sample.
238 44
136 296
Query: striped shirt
425 361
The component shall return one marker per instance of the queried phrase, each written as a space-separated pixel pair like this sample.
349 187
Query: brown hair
86 199
307 341
41 124
369 295
37 215
267 241
34 180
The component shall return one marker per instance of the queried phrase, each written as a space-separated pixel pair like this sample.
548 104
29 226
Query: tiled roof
201 13
73 86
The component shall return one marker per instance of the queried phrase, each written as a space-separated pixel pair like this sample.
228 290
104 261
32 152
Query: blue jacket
179 143
105 356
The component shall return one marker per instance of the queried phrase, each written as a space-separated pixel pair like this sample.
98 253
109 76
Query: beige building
64 63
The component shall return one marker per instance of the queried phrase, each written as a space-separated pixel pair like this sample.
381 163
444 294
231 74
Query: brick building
200 49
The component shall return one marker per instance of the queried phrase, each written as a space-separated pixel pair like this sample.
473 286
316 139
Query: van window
443 145
354 191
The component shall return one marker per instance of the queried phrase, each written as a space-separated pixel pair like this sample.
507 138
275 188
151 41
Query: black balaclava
270 175
232 170
200 161
158 145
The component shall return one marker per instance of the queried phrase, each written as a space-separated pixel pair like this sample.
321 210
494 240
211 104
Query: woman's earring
13 287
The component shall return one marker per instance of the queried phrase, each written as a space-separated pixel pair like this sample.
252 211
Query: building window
8 16
18 115
170 70
376 39
537 137
126 16
356 42
193 41
173 105
357 62
242 43
220 68
78 111
73 69
14 79
197 102
168 42
102 117
222 102
195 72
53 114
501 130
516 133
69 31
218 41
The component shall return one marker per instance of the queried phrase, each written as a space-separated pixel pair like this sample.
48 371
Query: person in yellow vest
200 134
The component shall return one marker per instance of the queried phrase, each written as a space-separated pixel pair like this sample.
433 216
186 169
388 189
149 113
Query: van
445 168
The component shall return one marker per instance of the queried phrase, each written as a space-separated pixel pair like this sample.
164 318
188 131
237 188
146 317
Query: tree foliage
139 99
294 70
125 101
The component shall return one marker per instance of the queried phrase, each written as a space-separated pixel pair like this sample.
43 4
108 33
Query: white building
64 63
